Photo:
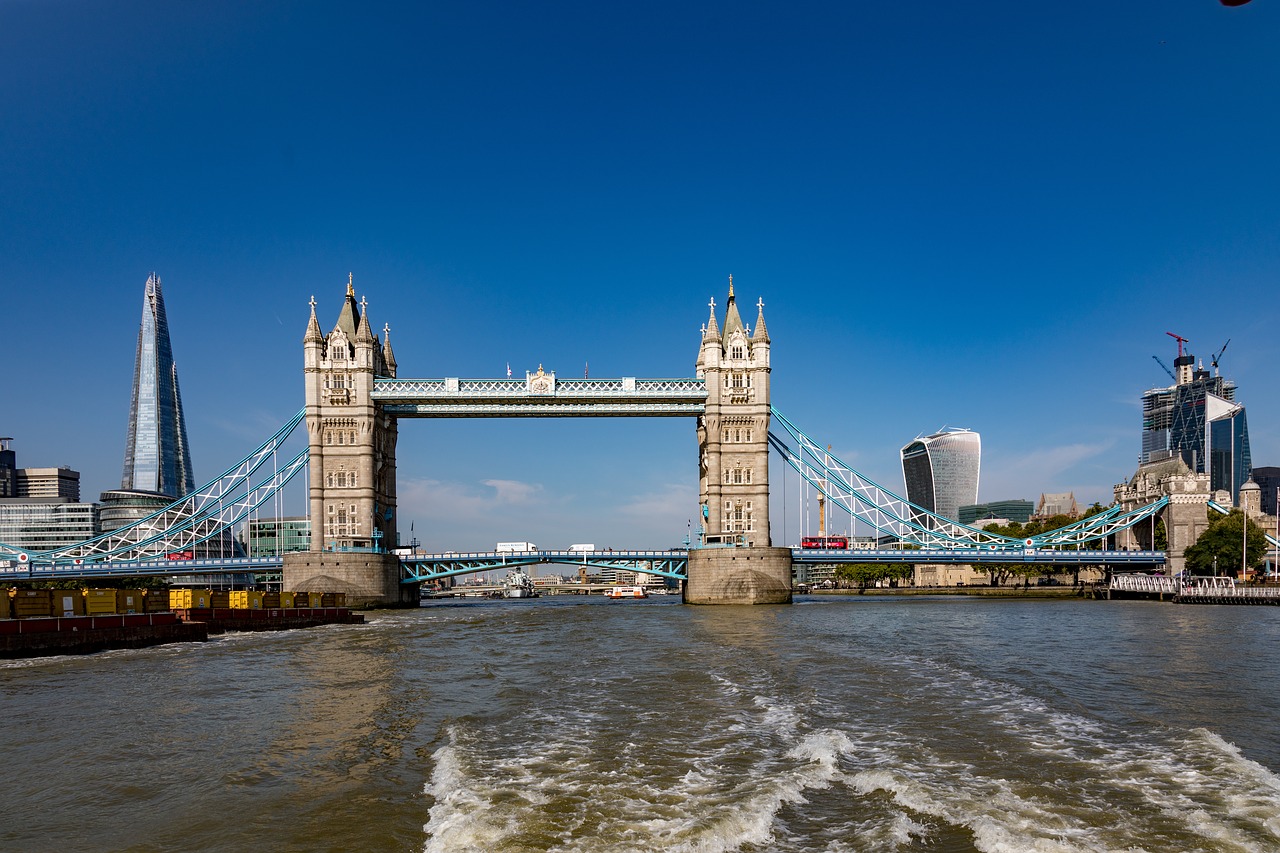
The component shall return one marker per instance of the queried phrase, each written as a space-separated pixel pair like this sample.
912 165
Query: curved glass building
941 471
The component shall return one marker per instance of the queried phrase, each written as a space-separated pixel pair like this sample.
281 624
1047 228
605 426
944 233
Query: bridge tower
352 492
1185 518
733 468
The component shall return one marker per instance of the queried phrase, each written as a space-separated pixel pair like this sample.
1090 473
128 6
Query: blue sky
983 215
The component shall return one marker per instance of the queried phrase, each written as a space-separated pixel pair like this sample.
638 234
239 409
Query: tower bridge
355 401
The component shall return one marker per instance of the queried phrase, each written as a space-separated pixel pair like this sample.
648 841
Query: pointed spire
387 355
761 334
349 316
313 326
732 320
364 334
711 331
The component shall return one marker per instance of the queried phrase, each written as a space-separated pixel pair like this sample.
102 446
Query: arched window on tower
737 351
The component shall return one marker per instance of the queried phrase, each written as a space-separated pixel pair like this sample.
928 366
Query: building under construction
1198 419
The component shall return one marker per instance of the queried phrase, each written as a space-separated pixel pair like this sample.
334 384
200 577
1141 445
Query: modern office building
1268 480
272 537
42 524
49 483
1198 419
157 457
1014 509
40 508
8 469
941 471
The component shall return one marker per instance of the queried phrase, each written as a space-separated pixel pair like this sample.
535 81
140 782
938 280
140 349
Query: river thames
579 724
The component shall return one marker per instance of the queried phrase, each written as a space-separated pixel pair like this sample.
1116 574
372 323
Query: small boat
626 592
518 585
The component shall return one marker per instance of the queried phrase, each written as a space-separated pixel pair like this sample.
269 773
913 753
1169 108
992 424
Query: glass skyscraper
1198 419
157 458
941 471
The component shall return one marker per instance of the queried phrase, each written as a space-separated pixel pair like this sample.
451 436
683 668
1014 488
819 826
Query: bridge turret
364 341
388 357
352 442
733 435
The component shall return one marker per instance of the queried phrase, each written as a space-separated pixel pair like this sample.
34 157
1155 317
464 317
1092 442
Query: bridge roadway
670 564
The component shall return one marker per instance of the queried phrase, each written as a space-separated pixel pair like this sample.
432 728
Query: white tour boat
626 592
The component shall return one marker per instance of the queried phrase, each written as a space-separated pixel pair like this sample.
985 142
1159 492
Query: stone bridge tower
733 435
1185 518
352 495
733 469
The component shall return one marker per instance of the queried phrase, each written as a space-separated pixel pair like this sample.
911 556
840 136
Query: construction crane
1217 356
1166 368
1180 339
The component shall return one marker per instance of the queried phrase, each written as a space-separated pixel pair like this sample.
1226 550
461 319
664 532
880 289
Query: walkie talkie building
941 471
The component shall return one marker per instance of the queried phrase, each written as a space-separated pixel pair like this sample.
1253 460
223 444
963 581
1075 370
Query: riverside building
40 508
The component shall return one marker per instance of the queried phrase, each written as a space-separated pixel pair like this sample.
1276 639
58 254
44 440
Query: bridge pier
369 579
738 576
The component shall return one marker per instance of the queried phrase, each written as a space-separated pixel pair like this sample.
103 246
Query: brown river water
578 724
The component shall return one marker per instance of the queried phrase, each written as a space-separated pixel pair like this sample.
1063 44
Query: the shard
157 458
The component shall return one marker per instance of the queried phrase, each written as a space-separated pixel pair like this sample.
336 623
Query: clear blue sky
983 215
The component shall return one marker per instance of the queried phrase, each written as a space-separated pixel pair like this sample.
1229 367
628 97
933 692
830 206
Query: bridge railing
414 389
958 555
1150 584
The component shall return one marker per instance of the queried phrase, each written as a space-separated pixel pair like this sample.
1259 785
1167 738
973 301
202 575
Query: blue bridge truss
213 511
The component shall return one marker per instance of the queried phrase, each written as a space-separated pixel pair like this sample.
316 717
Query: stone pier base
739 576
369 580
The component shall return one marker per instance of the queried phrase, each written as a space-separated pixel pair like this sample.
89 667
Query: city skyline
946 227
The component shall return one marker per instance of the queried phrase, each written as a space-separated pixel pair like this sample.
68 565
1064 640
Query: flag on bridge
508 370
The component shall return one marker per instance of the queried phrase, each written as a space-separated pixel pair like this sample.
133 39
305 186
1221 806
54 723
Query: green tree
1223 540
863 575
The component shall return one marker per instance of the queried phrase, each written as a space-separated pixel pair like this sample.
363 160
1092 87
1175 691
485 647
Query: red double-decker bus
825 542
